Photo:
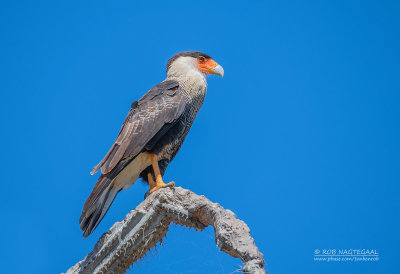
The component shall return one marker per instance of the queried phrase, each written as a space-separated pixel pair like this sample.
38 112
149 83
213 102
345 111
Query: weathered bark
128 240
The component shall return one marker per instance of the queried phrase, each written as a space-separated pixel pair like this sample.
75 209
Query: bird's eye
200 58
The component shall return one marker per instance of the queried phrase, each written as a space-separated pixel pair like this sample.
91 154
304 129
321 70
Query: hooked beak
218 70
211 67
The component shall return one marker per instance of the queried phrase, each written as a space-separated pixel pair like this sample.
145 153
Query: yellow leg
159 183
151 180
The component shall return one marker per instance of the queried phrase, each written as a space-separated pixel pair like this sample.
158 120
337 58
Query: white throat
185 71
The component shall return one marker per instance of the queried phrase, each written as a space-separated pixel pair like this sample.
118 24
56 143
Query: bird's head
188 61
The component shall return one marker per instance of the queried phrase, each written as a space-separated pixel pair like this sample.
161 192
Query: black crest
193 54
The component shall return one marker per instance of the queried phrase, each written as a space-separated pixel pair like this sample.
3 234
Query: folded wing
159 107
149 117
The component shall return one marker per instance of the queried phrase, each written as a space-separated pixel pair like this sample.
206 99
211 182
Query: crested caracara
152 134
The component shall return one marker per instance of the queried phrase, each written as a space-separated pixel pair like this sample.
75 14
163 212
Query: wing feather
160 106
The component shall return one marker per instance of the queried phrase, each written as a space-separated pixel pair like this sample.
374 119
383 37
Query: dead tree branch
129 240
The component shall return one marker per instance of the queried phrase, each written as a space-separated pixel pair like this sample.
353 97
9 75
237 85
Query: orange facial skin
206 65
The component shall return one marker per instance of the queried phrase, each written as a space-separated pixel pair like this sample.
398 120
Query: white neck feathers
184 70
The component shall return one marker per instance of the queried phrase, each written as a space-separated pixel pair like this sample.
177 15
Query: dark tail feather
97 205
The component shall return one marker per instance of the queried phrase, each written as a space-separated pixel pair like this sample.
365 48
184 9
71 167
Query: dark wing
156 110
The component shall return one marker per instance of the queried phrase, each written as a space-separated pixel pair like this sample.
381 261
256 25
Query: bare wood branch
129 240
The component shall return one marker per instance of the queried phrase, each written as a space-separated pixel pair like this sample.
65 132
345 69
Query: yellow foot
157 187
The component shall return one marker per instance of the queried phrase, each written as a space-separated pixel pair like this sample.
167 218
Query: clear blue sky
300 138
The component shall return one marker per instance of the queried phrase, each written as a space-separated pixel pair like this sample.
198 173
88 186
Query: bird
151 135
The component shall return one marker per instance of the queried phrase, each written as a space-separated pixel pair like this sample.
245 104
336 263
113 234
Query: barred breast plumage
166 149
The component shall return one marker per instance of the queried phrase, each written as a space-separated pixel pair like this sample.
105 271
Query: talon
158 183
157 187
